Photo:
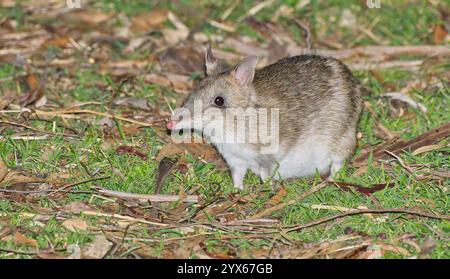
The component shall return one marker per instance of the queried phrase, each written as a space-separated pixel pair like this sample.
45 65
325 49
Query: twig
375 53
63 188
280 206
122 217
412 65
33 129
407 168
104 114
44 137
307 31
252 221
259 7
18 251
152 198
365 211
27 192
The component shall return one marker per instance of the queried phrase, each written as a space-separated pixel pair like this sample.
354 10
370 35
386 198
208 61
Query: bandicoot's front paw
239 186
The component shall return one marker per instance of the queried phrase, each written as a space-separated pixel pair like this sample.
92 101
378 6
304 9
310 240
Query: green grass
94 151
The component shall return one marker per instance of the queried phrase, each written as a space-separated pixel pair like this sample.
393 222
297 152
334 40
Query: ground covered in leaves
87 169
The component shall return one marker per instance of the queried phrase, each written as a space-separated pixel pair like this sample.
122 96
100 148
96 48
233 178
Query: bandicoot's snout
176 120
170 124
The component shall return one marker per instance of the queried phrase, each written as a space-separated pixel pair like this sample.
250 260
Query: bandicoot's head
224 87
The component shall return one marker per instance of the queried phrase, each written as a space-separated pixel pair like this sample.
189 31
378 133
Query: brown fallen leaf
404 97
364 190
184 59
427 247
180 33
428 148
5 231
131 150
143 22
439 34
15 177
179 83
49 254
278 197
98 248
57 42
166 165
3 170
141 104
35 92
86 17
380 131
21 239
75 224
6 99
76 207
372 252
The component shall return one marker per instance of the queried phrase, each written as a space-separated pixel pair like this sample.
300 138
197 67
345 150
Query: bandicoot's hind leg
336 166
266 167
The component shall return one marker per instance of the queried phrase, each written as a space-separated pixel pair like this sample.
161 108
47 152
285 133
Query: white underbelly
305 159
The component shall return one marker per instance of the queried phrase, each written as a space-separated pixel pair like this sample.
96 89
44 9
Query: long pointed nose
170 124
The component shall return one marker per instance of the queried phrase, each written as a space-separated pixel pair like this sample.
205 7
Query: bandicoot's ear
211 63
245 71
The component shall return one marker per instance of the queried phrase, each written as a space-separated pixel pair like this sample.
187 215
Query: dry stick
365 211
374 52
307 31
18 251
33 129
371 65
277 207
122 217
407 168
25 192
87 111
152 198
64 188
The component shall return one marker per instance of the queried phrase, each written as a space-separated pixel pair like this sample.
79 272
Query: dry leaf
278 197
182 194
43 254
166 165
372 252
427 247
380 131
35 90
3 170
181 32
439 34
75 224
428 148
14 177
58 42
93 18
130 150
400 96
183 59
396 145
99 248
23 240
143 22
76 207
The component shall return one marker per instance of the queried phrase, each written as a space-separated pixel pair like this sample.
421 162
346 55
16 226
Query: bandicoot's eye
218 101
